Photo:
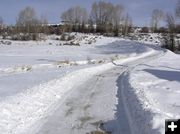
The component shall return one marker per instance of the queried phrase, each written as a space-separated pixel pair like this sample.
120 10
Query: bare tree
127 25
171 23
106 15
76 16
1 21
1 25
94 13
157 16
177 10
177 13
44 24
100 14
169 40
117 18
27 20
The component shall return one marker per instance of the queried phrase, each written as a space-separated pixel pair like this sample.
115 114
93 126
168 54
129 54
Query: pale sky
139 10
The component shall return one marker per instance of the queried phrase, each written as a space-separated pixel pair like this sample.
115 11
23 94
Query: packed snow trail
96 105
88 106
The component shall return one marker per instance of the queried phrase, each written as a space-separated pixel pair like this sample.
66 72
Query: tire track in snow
83 109
136 116
21 112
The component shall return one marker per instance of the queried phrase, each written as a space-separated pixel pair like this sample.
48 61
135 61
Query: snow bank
153 88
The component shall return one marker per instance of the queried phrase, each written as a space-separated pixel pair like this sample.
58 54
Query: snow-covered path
31 108
87 107
110 94
96 105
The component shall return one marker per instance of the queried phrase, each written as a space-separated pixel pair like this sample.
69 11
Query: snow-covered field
110 85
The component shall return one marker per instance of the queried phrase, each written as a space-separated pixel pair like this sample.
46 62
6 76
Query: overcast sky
140 10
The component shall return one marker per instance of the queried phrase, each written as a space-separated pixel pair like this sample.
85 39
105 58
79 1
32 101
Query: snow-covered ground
108 85
156 87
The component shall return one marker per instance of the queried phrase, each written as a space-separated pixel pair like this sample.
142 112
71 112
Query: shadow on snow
121 123
121 47
164 74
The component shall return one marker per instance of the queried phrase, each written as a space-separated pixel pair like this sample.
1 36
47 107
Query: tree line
173 26
104 18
